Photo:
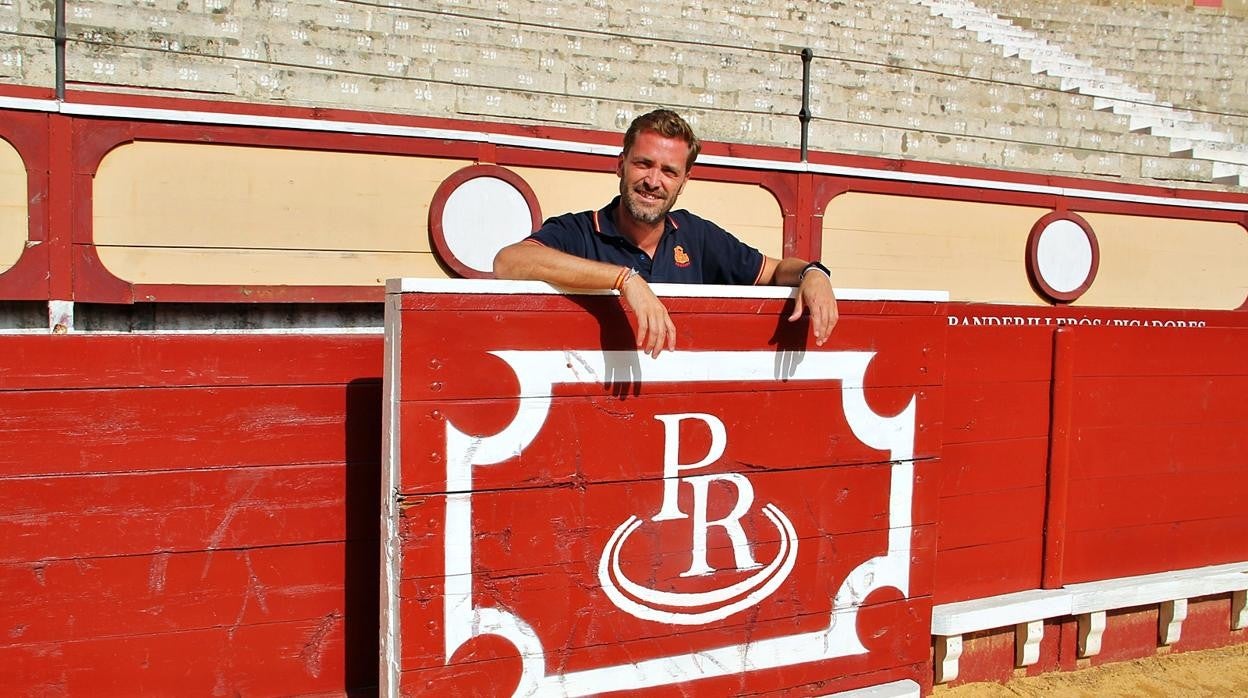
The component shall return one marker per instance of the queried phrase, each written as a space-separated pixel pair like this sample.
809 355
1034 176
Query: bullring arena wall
236 460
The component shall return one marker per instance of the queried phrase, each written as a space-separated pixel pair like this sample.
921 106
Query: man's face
652 174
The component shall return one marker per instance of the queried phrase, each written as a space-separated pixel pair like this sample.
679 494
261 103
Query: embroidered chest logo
682 259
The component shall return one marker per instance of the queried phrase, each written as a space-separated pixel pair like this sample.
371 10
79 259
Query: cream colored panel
14 225
1168 263
267 267
974 251
566 191
745 210
281 201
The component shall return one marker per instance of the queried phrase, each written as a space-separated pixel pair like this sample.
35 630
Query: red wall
993 480
191 515
198 513
62 153
543 517
1143 478
1156 437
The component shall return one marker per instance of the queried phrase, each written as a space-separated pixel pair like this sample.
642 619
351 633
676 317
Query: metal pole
59 40
804 114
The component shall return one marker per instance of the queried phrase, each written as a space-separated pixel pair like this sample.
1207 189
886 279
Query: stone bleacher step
1123 103
1235 153
1188 132
1035 49
1111 87
1073 68
1229 173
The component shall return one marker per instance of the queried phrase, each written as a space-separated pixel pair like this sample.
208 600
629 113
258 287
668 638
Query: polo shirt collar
604 221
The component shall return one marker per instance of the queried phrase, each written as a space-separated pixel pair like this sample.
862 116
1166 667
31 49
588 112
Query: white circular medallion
482 216
1064 256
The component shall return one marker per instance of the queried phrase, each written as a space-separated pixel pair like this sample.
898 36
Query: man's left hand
815 298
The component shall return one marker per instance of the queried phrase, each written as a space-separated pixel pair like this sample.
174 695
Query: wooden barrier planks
568 516
1158 451
993 480
188 513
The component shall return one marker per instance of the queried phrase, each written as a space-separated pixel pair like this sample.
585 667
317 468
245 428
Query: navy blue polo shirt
692 250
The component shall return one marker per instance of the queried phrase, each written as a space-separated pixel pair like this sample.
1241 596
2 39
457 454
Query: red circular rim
1033 262
437 234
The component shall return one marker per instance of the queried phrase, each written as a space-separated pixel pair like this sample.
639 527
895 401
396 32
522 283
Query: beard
645 210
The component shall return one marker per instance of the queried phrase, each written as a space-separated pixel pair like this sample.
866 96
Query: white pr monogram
714 604
701 485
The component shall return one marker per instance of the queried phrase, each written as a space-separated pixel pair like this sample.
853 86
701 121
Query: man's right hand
655 330
529 260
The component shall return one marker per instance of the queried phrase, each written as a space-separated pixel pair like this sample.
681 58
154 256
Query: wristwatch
813 265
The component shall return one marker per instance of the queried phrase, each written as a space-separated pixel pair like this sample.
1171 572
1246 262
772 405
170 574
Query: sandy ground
1217 672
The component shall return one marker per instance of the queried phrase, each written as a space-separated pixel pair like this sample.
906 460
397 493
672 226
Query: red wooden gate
569 516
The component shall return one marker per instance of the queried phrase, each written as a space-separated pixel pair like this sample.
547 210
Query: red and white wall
200 512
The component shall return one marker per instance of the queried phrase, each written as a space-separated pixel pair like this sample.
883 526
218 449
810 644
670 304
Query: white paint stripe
905 688
391 547
27 104
228 331
413 285
220 118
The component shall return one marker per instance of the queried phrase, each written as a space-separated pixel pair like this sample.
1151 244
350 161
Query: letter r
671 457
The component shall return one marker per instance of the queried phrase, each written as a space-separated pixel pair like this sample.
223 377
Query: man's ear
683 183
619 165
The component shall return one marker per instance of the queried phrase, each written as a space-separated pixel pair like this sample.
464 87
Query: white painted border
304 124
537 372
905 688
1088 602
390 651
494 286
210 331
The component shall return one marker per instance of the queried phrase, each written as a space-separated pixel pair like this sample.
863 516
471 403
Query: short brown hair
668 124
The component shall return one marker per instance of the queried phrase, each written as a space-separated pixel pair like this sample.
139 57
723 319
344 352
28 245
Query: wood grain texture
1157 451
189 514
993 483
544 517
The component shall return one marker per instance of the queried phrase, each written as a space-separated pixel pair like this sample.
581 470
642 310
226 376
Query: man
637 239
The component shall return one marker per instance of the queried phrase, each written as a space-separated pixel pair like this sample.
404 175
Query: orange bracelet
620 279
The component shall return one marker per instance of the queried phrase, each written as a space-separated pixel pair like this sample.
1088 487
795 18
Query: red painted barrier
188 514
747 513
994 464
1158 448
1145 448
198 513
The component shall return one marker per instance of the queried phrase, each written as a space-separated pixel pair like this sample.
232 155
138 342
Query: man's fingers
663 334
643 330
820 324
654 341
652 333
797 308
655 330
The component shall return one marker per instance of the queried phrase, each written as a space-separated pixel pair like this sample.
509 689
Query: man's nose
652 178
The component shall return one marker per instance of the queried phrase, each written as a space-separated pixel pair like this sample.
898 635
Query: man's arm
814 293
532 260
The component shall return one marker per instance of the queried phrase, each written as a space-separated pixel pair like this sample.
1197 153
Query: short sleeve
564 233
